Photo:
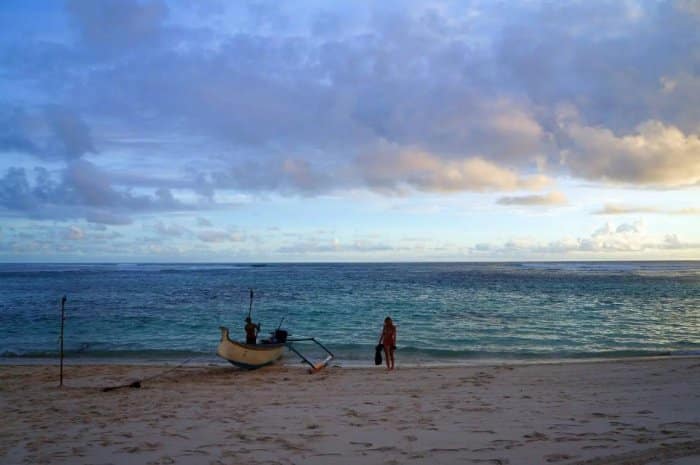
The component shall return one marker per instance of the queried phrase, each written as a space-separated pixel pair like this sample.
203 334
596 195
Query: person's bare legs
390 356
386 357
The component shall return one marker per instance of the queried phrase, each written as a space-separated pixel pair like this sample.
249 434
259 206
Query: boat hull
248 356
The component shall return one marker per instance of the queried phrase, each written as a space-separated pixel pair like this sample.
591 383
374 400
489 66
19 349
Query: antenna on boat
250 307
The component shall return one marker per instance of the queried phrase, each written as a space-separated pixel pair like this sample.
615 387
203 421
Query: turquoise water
445 312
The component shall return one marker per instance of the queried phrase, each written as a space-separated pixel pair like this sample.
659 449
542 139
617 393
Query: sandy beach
593 413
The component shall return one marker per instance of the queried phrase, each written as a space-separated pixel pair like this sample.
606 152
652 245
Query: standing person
251 331
388 340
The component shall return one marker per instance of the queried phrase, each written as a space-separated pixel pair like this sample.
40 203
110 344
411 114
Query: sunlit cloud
618 209
550 199
655 155
425 172
608 239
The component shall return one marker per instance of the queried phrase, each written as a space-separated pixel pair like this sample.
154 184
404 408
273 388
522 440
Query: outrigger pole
63 319
314 366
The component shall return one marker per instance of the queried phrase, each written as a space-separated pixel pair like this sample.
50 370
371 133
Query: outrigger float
253 356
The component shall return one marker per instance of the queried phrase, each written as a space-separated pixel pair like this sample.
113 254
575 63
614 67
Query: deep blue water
445 312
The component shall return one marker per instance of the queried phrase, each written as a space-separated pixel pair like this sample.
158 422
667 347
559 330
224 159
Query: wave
456 355
151 354
409 356
23 269
101 349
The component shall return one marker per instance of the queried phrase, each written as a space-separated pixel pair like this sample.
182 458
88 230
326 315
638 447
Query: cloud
203 222
425 172
74 233
218 236
173 230
297 99
72 137
672 242
117 24
86 184
688 6
334 246
608 239
107 218
82 190
287 175
618 209
549 199
54 132
656 155
15 128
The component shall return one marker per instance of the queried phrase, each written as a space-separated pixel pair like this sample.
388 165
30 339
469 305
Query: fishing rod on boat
250 307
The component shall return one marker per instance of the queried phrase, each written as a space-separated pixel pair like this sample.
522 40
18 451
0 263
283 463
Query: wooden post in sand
63 318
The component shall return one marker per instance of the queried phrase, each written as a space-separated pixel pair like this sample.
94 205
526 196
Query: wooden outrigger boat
252 356
248 356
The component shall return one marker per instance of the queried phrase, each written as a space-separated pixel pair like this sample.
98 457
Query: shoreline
289 362
644 411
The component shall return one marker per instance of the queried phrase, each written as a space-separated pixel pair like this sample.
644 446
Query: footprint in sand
557 457
164 460
536 436
384 449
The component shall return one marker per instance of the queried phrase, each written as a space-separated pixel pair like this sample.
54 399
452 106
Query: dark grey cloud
14 132
72 137
17 194
297 99
53 132
286 175
82 191
607 57
117 25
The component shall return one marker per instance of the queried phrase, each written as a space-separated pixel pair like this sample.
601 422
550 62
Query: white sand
622 412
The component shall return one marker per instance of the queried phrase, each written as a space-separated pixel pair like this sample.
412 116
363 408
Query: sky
275 131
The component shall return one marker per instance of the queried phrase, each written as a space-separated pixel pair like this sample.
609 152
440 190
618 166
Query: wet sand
594 413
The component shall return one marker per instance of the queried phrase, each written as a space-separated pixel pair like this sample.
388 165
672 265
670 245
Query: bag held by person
378 354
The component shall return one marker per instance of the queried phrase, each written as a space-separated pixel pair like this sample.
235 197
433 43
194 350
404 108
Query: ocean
446 313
